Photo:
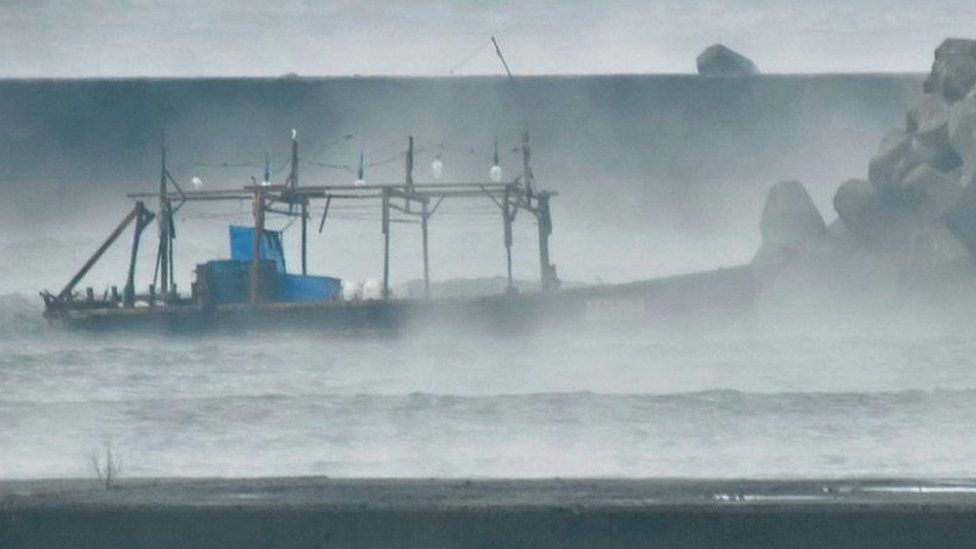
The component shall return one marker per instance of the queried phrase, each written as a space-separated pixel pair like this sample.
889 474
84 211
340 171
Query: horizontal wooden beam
301 195
201 195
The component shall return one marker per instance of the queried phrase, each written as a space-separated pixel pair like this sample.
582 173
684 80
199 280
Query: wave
702 399
20 315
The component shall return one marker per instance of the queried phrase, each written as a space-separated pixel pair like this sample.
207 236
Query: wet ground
317 511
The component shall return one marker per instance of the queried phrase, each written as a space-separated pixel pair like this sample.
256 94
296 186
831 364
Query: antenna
500 56
526 154
511 79
267 171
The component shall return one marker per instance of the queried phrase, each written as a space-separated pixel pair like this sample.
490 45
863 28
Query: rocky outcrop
886 170
905 238
931 193
922 177
790 223
790 216
928 122
924 142
719 60
961 128
865 216
914 218
954 69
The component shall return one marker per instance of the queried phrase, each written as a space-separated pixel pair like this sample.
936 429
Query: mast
256 237
293 183
164 221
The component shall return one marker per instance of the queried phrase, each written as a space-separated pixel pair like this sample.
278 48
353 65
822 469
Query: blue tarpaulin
229 280
242 243
308 288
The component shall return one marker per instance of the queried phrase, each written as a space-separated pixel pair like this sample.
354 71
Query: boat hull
714 297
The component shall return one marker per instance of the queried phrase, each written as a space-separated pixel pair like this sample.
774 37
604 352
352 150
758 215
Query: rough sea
626 401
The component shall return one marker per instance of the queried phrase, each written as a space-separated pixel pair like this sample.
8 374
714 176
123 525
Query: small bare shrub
107 465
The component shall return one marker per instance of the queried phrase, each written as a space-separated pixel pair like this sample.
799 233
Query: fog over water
656 175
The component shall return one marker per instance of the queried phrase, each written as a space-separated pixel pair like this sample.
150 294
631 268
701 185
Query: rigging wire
469 57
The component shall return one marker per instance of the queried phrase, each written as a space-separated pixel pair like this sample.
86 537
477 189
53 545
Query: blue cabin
228 280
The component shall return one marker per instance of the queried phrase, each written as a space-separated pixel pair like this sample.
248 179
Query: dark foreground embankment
317 512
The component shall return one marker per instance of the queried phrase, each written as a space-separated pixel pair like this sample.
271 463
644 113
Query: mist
656 175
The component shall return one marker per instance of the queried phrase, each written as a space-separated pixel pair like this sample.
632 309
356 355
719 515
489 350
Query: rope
469 57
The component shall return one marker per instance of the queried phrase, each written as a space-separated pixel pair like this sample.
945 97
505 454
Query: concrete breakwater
678 151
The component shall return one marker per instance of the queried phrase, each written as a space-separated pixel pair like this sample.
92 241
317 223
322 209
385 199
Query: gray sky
51 38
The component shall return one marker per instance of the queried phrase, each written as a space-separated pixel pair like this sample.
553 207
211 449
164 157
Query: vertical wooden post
163 227
409 164
386 243
507 220
128 294
294 159
545 228
424 215
293 183
256 237
171 233
304 237
527 176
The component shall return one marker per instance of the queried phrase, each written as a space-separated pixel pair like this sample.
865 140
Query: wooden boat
252 289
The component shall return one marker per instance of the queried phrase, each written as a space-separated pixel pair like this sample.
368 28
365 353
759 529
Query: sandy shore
314 512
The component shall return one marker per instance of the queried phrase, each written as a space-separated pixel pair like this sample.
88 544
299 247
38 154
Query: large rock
954 70
961 128
931 193
869 218
928 121
790 217
719 60
858 204
943 159
884 170
790 225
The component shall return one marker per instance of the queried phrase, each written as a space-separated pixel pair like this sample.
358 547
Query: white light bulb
197 182
496 174
437 168
360 183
